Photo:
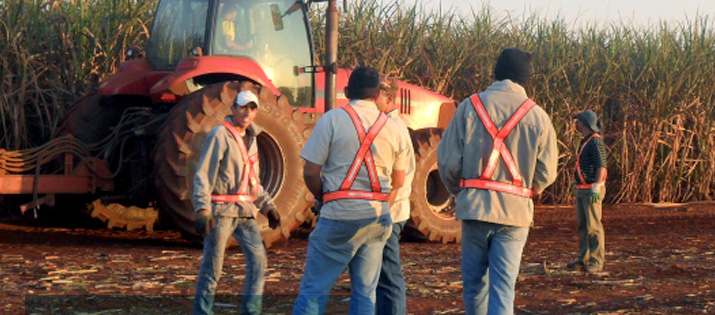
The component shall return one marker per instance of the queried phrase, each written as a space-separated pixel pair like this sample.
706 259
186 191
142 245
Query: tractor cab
271 37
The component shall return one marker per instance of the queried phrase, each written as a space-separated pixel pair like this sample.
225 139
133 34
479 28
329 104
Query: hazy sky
641 12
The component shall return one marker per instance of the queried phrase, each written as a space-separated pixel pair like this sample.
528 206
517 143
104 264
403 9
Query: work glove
317 205
274 219
204 222
595 193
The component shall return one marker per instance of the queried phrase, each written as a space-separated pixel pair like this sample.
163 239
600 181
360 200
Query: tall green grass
653 87
52 52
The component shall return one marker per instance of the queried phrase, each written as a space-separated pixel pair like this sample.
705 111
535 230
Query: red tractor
137 139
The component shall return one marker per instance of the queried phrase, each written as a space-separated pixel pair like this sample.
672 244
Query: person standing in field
227 197
391 295
355 162
498 152
590 175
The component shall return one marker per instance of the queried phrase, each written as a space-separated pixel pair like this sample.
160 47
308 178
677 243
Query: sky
640 12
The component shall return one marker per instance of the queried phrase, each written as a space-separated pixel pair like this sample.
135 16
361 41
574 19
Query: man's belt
232 198
354 194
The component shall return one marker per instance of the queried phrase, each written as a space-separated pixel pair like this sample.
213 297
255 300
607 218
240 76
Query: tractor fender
446 112
175 83
133 78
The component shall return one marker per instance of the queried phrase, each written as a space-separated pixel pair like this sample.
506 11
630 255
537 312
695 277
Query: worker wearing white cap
227 197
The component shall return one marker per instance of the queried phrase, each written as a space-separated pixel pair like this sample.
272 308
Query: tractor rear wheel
179 146
91 118
432 205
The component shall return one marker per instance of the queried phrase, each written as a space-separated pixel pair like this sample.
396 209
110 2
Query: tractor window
253 29
179 26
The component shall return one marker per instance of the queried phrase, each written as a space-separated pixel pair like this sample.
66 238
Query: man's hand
572 188
595 194
204 222
274 219
317 205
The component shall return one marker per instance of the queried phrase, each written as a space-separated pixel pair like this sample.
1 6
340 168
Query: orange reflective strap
497 186
364 151
499 149
498 136
578 161
354 194
364 155
248 175
231 198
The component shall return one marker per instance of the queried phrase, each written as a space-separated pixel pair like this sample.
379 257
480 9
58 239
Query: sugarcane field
195 157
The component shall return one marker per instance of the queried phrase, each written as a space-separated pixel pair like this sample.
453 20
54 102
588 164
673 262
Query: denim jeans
246 232
491 254
334 245
391 298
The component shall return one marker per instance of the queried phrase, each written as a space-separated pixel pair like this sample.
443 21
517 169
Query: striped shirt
592 158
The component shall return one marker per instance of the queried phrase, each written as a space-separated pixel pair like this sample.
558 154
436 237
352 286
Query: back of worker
354 222
389 151
496 208
526 142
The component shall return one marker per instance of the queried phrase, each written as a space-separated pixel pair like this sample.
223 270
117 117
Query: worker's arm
398 180
207 169
311 176
315 153
204 180
451 149
600 175
235 46
547 156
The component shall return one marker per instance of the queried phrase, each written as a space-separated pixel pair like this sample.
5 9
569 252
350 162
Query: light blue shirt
400 210
333 144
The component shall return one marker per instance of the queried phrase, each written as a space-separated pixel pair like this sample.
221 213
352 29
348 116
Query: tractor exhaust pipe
331 54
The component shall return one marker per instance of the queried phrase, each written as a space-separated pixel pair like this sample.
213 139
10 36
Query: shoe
576 265
594 268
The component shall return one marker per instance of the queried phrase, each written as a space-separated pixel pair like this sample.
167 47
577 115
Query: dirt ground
660 260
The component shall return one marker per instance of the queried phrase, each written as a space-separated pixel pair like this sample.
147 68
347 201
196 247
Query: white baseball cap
245 97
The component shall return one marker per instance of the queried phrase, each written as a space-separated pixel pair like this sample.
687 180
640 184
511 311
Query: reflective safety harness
499 149
363 155
582 182
248 175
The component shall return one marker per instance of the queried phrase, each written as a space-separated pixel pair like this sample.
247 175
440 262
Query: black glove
274 219
317 205
204 222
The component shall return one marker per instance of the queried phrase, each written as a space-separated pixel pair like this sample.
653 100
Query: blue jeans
491 254
334 245
246 232
391 298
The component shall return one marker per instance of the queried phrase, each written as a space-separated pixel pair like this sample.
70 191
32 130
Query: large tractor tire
433 208
179 146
